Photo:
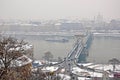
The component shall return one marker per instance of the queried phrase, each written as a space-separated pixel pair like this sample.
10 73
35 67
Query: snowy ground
100 70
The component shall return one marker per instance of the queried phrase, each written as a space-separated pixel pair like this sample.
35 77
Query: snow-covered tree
10 49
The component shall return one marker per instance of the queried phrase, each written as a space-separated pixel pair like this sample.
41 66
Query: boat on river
57 39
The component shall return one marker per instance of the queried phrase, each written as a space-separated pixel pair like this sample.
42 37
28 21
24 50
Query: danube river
104 48
101 50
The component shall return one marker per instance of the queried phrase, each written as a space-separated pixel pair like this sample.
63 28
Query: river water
101 50
104 48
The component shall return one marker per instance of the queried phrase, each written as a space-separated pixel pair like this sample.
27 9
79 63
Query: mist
56 9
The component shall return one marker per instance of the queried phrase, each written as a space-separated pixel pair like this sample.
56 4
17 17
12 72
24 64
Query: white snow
85 64
52 68
64 77
23 60
84 78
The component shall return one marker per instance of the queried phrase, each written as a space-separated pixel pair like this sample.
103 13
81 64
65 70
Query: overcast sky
52 9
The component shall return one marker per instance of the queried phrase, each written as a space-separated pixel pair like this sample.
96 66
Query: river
101 50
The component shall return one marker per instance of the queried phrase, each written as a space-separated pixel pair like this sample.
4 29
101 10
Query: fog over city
59 39
57 9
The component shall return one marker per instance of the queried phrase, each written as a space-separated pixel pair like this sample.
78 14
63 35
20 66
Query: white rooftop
23 60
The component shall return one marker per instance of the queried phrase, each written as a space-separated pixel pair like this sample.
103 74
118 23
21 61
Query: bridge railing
74 50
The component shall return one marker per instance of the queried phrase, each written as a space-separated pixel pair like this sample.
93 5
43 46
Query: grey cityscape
59 39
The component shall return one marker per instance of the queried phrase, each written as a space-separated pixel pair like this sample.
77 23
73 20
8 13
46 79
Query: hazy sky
52 9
